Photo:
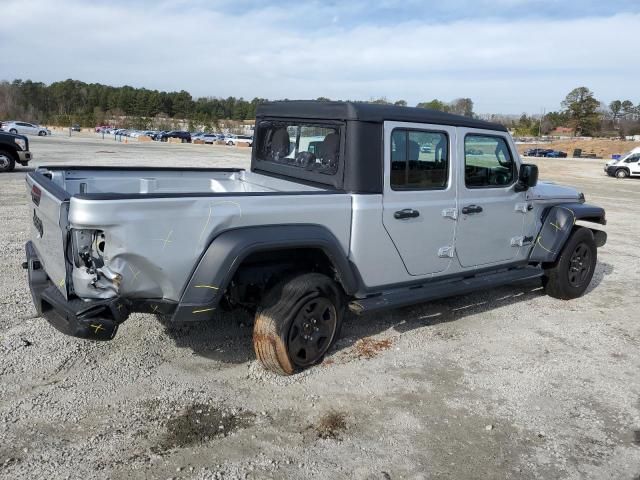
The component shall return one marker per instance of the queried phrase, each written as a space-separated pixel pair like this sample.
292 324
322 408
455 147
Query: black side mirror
527 177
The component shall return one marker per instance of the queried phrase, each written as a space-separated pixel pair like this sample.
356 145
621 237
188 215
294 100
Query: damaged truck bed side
346 206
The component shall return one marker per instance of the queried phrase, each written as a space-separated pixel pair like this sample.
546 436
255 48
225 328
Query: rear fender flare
225 254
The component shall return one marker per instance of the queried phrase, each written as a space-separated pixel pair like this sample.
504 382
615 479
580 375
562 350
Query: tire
7 161
621 173
297 323
42 133
570 275
14 131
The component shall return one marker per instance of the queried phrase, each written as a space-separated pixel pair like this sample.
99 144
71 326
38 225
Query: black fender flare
557 226
225 254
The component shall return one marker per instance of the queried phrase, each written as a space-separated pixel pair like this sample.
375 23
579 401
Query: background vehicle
25 128
76 128
537 152
627 166
339 210
235 139
556 154
209 138
184 136
13 149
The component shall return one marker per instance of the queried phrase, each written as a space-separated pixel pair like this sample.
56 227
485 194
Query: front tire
621 173
14 131
570 275
7 161
297 322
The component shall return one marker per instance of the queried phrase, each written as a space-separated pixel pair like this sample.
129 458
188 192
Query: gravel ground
507 383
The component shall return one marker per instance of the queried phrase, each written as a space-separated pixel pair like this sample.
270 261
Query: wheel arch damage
226 253
558 223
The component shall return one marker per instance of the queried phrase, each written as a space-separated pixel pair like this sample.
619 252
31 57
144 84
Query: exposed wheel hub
4 161
311 331
579 265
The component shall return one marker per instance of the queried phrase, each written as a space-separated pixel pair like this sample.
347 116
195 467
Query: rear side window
419 159
307 146
488 162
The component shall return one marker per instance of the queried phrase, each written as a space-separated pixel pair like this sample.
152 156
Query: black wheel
297 323
13 130
7 161
42 133
571 274
621 173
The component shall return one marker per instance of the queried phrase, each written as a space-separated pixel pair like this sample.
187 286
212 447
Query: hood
550 190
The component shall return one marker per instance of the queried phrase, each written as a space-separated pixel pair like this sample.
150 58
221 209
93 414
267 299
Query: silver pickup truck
346 205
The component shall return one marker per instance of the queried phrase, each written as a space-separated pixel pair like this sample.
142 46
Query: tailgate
49 208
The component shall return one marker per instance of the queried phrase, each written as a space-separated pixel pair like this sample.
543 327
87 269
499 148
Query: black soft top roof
367 112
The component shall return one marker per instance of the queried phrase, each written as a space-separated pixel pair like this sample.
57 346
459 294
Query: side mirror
527 177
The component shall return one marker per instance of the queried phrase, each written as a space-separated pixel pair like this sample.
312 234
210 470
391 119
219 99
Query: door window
487 162
419 160
632 159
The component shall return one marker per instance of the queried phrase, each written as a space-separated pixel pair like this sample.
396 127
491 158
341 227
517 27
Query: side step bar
445 288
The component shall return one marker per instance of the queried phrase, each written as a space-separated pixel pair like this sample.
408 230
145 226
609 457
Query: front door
633 162
491 222
419 211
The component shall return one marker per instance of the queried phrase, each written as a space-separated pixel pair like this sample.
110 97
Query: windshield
308 146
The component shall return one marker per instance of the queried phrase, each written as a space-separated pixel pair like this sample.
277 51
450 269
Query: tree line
584 115
89 104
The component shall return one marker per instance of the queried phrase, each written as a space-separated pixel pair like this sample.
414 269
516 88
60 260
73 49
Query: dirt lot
601 147
506 383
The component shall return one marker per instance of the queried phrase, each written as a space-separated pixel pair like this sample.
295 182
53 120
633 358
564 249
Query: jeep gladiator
346 206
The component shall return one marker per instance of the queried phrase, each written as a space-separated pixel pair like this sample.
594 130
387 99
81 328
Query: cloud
306 50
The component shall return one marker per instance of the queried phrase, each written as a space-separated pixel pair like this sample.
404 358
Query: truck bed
125 182
157 222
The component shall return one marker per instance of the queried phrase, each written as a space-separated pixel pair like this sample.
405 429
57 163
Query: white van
627 165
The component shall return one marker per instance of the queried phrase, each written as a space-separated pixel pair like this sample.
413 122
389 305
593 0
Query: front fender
557 226
225 254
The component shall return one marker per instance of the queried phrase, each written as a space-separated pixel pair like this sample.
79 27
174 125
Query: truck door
419 204
492 213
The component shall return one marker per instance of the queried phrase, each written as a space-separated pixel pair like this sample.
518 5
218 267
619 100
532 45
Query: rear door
492 213
419 204
48 226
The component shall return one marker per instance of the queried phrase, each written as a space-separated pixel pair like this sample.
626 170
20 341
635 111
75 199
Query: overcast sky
509 56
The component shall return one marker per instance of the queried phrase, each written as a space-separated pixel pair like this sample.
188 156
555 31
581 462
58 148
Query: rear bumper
91 319
24 157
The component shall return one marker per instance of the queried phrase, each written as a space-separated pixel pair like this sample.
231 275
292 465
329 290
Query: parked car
209 138
13 149
25 128
556 154
628 165
184 136
302 235
537 152
235 139
75 128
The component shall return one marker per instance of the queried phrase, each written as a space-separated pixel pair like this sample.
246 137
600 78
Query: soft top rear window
311 147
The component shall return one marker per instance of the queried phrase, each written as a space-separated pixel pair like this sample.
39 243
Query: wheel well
10 150
259 271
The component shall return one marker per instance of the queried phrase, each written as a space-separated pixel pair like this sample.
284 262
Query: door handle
470 209
406 213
